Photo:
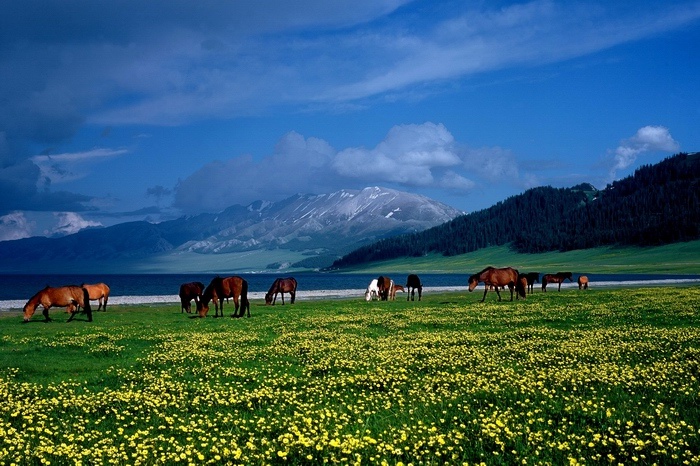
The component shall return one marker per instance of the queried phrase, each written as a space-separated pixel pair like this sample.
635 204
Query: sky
151 110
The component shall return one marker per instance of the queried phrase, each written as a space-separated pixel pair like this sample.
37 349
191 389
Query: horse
188 292
583 282
221 288
412 284
532 278
69 297
372 291
282 286
558 277
491 276
98 292
394 289
384 285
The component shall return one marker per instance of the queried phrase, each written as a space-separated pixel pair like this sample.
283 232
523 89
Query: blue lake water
22 287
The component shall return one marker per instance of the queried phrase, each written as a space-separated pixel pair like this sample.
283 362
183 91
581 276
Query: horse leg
498 293
282 293
559 289
235 308
486 290
293 294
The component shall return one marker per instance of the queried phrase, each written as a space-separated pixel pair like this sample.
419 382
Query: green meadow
676 258
604 376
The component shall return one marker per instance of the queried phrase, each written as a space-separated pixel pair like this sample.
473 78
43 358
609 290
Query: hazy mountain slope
325 226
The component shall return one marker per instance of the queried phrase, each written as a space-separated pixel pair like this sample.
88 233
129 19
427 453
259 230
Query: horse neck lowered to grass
98 292
491 276
372 291
558 277
384 285
221 288
282 286
188 292
413 283
69 297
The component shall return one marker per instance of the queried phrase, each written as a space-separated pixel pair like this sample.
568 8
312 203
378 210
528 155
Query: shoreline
17 305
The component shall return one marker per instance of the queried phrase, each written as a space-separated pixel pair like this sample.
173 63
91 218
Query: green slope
677 258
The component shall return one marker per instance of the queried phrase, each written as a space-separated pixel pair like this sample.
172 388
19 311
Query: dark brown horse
98 292
532 278
384 285
69 297
412 284
558 277
491 276
583 282
188 292
282 286
222 288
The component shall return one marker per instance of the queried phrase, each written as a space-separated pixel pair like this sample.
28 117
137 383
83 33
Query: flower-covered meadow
596 377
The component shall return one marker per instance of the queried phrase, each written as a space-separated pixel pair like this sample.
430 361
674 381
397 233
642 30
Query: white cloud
647 139
15 226
68 167
69 223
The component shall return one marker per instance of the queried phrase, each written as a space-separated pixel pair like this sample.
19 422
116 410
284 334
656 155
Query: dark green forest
658 204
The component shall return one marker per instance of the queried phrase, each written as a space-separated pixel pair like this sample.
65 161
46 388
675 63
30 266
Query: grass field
597 377
677 258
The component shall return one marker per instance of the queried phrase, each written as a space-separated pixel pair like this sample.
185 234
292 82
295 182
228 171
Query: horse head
268 298
29 310
473 281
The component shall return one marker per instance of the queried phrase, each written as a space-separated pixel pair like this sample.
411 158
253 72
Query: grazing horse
558 277
394 289
282 286
69 297
491 276
583 282
98 292
223 288
188 292
384 285
532 278
372 291
412 284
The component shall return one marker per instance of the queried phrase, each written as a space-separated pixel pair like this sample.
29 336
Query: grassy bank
679 258
603 376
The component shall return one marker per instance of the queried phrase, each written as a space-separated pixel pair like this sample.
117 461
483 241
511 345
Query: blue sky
132 110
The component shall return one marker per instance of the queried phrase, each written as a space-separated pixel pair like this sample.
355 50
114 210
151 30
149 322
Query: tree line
658 204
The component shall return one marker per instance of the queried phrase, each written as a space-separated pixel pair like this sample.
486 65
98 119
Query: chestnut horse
384 285
188 292
558 277
412 284
394 289
532 278
282 286
221 288
583 282
69 297
98 292
491 276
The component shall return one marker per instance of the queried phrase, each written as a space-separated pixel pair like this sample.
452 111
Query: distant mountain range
303 231
659 204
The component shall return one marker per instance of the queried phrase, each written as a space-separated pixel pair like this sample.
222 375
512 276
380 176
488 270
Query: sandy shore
14 305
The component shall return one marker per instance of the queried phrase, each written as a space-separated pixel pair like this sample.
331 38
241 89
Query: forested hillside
658 204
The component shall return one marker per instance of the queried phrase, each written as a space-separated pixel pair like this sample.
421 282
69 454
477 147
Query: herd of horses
220 289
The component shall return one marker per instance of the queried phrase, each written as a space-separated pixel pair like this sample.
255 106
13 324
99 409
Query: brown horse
384 285
222 288
583 282
532 278
98 292
188 292
69 297
558 277
394 289
412 284
282 286
491 276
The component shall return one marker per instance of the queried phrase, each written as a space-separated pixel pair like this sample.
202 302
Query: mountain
658 204
303 231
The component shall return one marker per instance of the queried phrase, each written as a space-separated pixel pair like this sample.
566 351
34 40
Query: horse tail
86 304
245 304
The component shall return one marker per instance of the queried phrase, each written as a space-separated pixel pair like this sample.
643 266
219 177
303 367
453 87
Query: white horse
372 291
